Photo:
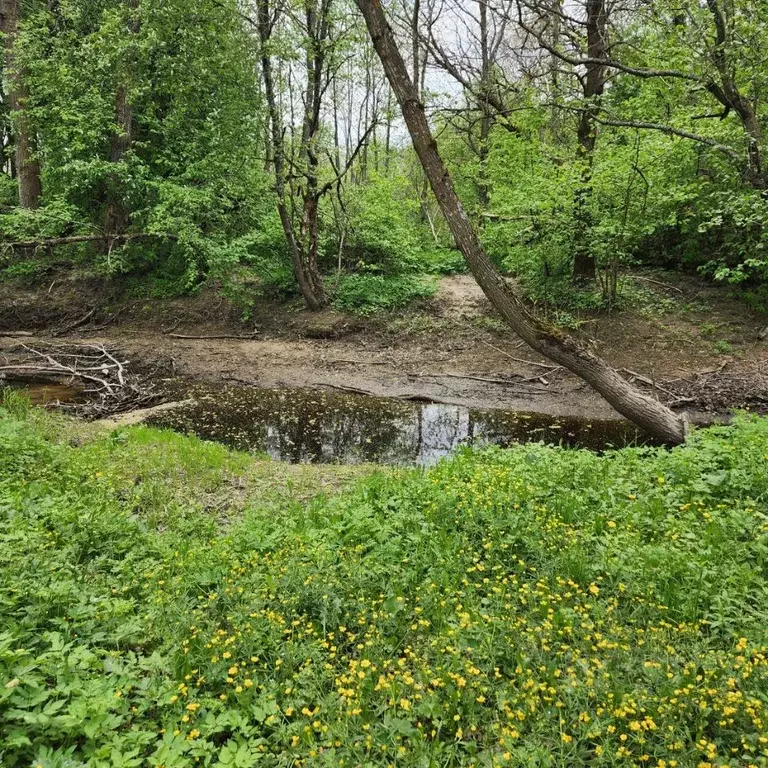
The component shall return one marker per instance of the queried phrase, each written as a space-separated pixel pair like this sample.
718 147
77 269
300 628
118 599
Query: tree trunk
277 154
27 167
117 215
483 192
584 263
318 29
731 97
647 413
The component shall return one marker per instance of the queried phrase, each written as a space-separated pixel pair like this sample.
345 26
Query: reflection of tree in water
298 425
505 428
301 425
441 429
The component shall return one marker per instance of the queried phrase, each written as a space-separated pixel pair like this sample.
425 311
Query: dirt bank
705 354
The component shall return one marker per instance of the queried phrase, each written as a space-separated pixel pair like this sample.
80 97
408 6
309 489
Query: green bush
385 234
366 294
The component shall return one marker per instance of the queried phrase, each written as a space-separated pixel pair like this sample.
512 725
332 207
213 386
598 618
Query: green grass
529 607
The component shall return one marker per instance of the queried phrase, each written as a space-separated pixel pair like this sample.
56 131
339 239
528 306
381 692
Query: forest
384 384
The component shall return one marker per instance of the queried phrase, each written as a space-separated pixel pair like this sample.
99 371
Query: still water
46 392
301 426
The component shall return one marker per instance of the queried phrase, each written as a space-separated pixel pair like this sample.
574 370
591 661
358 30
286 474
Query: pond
46 392
300 426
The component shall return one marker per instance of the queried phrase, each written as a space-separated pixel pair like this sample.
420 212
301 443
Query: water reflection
45 392
308 426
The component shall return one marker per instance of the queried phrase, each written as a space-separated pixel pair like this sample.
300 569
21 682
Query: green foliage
366 294
443 261
383 232
195 171
192 168
533 606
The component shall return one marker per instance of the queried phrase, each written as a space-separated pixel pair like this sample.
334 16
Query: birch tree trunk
647 413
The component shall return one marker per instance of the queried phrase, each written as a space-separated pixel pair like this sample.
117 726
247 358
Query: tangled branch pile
97 372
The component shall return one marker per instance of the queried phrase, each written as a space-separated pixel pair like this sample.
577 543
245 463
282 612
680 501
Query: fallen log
411 397
490 380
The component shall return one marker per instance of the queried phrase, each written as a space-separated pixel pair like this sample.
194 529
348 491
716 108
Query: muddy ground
700 351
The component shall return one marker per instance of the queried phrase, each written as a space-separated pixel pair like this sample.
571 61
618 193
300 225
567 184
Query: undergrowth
525 607
365 294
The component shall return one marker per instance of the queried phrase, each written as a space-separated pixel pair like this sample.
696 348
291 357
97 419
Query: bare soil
703 354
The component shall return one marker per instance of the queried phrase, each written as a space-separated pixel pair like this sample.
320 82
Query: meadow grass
525 607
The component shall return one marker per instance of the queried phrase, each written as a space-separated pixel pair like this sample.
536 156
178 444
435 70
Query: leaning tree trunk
647 413
27 167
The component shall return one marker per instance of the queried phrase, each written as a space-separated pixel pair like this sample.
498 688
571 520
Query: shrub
366 294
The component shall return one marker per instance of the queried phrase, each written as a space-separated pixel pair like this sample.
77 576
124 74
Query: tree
593 84
297 167
639 408
718 47
26 164
582 30
117 214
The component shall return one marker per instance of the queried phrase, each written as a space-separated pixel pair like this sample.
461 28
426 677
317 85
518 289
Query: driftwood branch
214 336
414 398
100 372
657 282
548 366
645 380
531 390
76 324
